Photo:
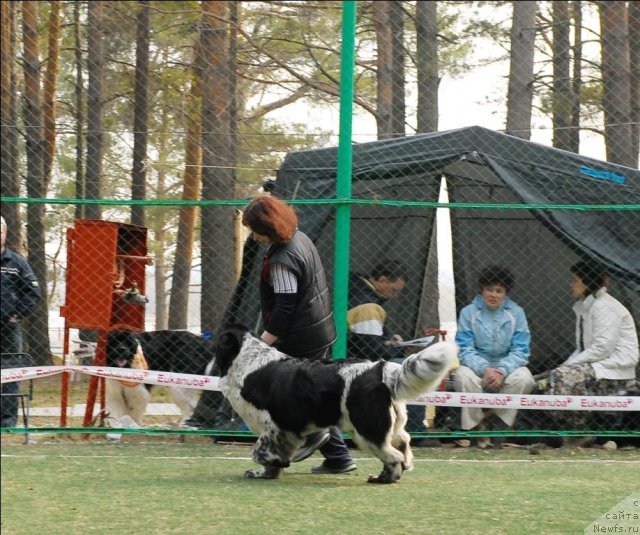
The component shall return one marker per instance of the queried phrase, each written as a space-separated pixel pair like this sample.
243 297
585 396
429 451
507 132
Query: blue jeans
11 343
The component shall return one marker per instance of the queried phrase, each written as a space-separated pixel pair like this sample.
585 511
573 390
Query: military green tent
482 167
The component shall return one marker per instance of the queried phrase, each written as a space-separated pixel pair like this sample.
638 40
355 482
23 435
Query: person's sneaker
483 442
313 442
324 469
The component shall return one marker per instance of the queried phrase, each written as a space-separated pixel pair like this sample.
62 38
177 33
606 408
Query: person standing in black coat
296 307
20 293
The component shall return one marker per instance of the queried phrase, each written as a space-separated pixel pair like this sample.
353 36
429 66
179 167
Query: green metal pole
343 189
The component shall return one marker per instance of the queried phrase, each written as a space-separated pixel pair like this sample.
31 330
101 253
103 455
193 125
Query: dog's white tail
423 372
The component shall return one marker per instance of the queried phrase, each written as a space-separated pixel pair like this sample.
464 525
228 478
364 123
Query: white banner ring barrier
439 399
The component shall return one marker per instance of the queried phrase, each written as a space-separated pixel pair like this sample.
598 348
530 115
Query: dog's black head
121 348
228 346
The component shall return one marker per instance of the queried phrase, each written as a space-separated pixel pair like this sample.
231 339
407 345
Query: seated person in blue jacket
493 337
606 354
369 337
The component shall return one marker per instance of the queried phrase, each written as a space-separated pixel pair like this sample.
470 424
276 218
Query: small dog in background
284 399
168 351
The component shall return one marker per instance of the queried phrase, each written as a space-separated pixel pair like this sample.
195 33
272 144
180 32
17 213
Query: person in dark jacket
296 307
20 294
369 337
294 297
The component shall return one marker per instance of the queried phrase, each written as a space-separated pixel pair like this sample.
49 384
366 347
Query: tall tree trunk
234 8
616 82
49 95
576 82
389 28
217 177
10 183
79 112
95 103
384 88
140 113
160 221
562 93
427 65
191 182
37 335
159 244
520 90
396 18
634 57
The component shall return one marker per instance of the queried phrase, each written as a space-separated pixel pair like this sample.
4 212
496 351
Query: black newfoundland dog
168 351
283 399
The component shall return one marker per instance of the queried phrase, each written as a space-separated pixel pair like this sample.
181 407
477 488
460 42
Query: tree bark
384 88
398 118
95 104
49 95
562 92
140 113
389 29
10 183
616 88
37 334
427 65
234 9
520 89
159 223
191 182
576 82
79 113
217 176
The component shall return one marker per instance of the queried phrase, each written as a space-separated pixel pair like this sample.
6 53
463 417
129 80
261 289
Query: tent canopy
480 166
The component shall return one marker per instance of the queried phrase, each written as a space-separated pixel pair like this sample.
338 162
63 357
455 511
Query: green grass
197 487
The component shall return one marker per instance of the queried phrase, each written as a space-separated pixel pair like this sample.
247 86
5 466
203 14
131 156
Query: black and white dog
284 399
169 351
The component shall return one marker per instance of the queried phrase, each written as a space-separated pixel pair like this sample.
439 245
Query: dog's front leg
266 472
273 451
391 472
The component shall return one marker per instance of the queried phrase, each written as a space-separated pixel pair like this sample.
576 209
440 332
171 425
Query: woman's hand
268 338
494 378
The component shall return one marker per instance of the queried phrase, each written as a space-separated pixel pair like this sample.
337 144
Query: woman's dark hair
592 274
271 217
493 275
391 269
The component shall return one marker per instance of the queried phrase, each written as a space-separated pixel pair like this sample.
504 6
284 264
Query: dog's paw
386 476
407 467
266 472
383 479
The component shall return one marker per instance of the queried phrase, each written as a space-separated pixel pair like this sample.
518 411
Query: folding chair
24 395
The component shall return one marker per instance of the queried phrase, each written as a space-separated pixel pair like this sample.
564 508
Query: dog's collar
139 363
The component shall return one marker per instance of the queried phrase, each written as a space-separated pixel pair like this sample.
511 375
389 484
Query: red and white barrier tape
439 399
528 401
185 380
